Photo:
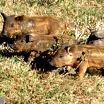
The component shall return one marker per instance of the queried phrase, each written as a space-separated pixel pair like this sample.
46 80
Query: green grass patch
21 86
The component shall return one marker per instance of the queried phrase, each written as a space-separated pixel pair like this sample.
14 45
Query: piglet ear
4 16
67 49
19 18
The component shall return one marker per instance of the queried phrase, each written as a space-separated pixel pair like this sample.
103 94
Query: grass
20 86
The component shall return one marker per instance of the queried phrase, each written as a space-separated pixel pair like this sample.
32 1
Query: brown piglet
80 57
39 25
37 45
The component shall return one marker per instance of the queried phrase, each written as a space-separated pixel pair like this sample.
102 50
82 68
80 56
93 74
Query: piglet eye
70 54
61 56
11 25
22 41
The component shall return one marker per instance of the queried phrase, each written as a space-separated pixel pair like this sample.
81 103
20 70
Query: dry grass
21 86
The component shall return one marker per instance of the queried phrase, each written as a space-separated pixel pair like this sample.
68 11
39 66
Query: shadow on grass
41 62
6 39
7 53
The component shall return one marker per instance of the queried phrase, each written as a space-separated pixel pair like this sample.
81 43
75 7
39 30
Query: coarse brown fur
40 25
79 56
96 38
98 42
38 43
99 33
